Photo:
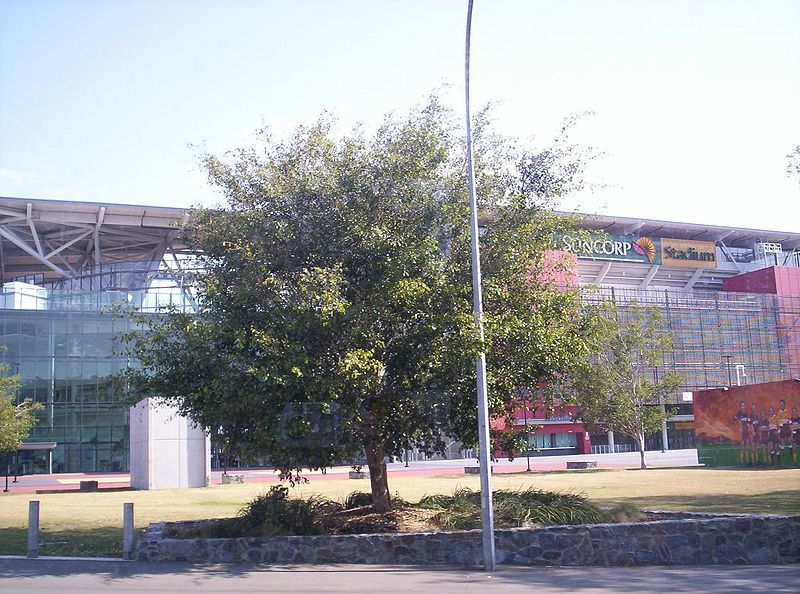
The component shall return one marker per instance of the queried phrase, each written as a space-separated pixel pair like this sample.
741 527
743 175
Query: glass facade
66 361
64 345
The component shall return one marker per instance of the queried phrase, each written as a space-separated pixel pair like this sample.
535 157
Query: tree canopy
16 420
335 312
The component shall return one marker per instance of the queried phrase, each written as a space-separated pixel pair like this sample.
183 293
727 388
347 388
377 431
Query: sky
695 105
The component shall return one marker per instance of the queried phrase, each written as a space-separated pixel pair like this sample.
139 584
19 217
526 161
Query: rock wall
699 539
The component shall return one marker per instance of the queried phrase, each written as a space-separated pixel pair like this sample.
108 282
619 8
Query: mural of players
794 424
744 440
763 438
753 425
755 422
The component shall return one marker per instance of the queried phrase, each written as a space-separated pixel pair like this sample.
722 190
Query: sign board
689 254
625 248
646 250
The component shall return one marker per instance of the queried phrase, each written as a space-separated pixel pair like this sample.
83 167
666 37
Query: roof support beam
34 234
602 274
727 252
100 216
695 277
71 242
724 234
66 263
632 228
12 237
649 276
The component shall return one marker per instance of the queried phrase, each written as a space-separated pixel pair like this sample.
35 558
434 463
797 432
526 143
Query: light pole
527 439
487 517
728 361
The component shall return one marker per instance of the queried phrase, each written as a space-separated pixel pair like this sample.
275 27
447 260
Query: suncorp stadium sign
613 247
647 250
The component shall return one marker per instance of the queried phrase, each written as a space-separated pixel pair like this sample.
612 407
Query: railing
607 449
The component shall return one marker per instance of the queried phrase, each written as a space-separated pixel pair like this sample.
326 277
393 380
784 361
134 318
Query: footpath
48 576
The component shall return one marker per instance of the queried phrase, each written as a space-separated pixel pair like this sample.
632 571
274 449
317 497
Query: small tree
617 386
16 420
335 314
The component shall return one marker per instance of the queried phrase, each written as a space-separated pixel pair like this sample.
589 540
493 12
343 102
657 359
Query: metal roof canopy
36 446
59 239
731 236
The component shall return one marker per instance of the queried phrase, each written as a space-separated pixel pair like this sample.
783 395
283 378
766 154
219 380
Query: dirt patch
365 520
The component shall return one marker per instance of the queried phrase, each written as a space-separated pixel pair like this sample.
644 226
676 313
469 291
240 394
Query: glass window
564 440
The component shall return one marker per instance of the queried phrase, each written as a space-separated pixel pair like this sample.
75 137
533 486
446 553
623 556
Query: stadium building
67 267
731 298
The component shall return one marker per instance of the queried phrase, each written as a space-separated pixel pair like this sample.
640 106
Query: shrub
357 499
625 512
275 513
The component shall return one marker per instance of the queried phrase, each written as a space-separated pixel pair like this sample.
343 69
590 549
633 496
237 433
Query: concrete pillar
611 440
664 439
33 529
128 532
168 451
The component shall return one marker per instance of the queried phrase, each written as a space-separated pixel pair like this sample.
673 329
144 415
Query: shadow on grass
570 471
93 542
776 502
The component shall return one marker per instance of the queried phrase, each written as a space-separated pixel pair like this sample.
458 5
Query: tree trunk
640 441
377 478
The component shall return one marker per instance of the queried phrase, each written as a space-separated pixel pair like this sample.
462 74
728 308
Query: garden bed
693 539
441 529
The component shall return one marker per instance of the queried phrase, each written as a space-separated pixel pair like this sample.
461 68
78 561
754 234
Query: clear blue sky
695 103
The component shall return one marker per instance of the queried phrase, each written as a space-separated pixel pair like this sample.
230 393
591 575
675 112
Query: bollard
128 533
33 529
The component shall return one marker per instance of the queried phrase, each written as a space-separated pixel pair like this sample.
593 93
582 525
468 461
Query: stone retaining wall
700 539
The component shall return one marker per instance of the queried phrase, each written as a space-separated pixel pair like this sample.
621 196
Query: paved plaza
674 458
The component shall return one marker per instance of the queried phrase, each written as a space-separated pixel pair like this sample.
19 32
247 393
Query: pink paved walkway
71 481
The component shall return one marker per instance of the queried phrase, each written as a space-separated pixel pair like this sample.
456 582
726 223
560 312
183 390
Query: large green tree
16 420
617 386
335 313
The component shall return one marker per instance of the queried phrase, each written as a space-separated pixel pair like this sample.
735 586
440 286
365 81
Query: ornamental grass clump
513 509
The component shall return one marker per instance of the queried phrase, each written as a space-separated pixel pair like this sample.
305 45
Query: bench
581 465
475 470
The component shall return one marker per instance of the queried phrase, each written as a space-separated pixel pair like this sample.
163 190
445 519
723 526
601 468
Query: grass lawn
89 524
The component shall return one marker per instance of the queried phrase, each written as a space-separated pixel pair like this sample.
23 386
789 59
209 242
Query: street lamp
527 437
728 361
487 518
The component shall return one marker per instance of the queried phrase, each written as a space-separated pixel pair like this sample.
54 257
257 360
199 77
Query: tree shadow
89 542
776 502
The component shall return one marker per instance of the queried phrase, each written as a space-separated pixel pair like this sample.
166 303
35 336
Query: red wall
758 281
777 280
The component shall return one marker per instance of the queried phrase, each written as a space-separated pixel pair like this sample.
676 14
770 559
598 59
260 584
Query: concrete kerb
61 558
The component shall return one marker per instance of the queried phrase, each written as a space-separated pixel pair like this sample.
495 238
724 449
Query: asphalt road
49 576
